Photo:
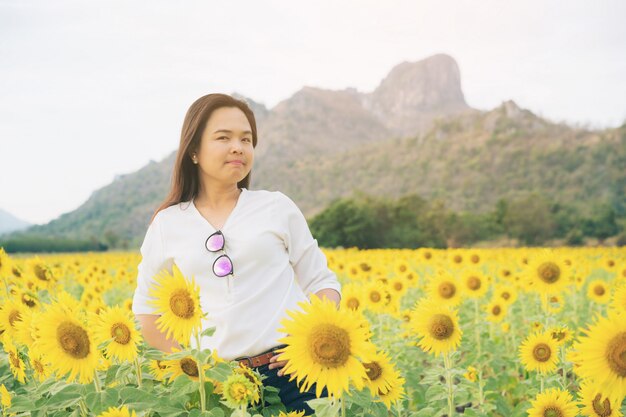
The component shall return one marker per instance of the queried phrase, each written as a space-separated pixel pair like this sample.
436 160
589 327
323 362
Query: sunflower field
427 332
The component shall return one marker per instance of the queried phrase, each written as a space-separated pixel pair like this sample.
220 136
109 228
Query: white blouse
276 262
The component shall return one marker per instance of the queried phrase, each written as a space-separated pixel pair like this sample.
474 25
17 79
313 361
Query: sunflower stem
446 362
476 328
200 373
96 381
138 371
343 406
83 407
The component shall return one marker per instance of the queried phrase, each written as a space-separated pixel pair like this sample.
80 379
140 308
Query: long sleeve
305 256
153 261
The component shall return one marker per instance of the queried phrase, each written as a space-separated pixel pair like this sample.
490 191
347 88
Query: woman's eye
222 137
247 139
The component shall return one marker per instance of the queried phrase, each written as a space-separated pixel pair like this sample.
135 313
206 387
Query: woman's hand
275 363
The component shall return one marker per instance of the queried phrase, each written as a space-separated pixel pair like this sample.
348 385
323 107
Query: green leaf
220 372
66 397
323 407
208 332
99 402
19 404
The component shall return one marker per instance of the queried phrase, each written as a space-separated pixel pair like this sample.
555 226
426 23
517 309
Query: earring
195 160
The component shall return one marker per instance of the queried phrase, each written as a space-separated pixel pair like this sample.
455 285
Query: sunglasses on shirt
223 265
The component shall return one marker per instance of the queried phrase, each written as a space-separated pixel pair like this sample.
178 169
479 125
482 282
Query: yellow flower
352 296
601 356
496 311
471 374
444 288
5 396
118 412
324 345
68 344
437 325
239 391
598 291
474 283
117 325
290 414
158 369
618 301
547 272
380 373
375 296
10 315
183 366
178 303
553 403
539 352
15 361
595 404
394 393
561 334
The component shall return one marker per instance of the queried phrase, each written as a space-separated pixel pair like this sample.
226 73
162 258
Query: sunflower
394 393
118 412
598 291
183 366
26 330
10 315
15 361
444 288
239 392
561 334
507 294
595 404
375 296
252 376
539 352
437 325
352 296
553 403
380 373
118 325
324 345
290 414
158 369
41 367
547 272
496 311
601 355
401 267
178 302
474 283
471 374
68 344
5 397
398 287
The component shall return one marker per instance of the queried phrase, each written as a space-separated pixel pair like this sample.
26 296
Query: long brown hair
185 182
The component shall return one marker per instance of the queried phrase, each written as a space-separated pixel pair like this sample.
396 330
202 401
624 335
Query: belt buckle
245 358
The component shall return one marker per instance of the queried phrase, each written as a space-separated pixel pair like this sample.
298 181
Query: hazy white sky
93 89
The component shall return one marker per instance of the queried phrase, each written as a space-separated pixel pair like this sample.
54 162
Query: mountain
413 134
10 223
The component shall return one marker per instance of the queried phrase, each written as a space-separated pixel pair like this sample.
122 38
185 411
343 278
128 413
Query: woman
251 252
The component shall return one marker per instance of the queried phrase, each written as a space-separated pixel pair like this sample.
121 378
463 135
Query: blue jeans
289 393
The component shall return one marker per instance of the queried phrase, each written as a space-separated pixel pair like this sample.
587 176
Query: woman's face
226 153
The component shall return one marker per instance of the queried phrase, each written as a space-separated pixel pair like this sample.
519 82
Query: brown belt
259 360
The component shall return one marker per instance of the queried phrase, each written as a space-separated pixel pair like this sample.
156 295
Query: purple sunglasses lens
222 266
215 242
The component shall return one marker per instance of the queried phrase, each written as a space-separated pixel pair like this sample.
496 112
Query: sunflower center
473 283
616 354
601 408
475 259
189 367
73 340
38 366
373 370
329 345
549 272
458 259
402 268
121 333
441 326
15 360
506 295
28 301
14 316
598 290
353 303
238 391
40 272
496 310
447 289
428 255
160 364
181 304
542 352
397 286
375 296
552 412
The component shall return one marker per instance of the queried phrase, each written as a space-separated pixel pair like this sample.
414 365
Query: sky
91 90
